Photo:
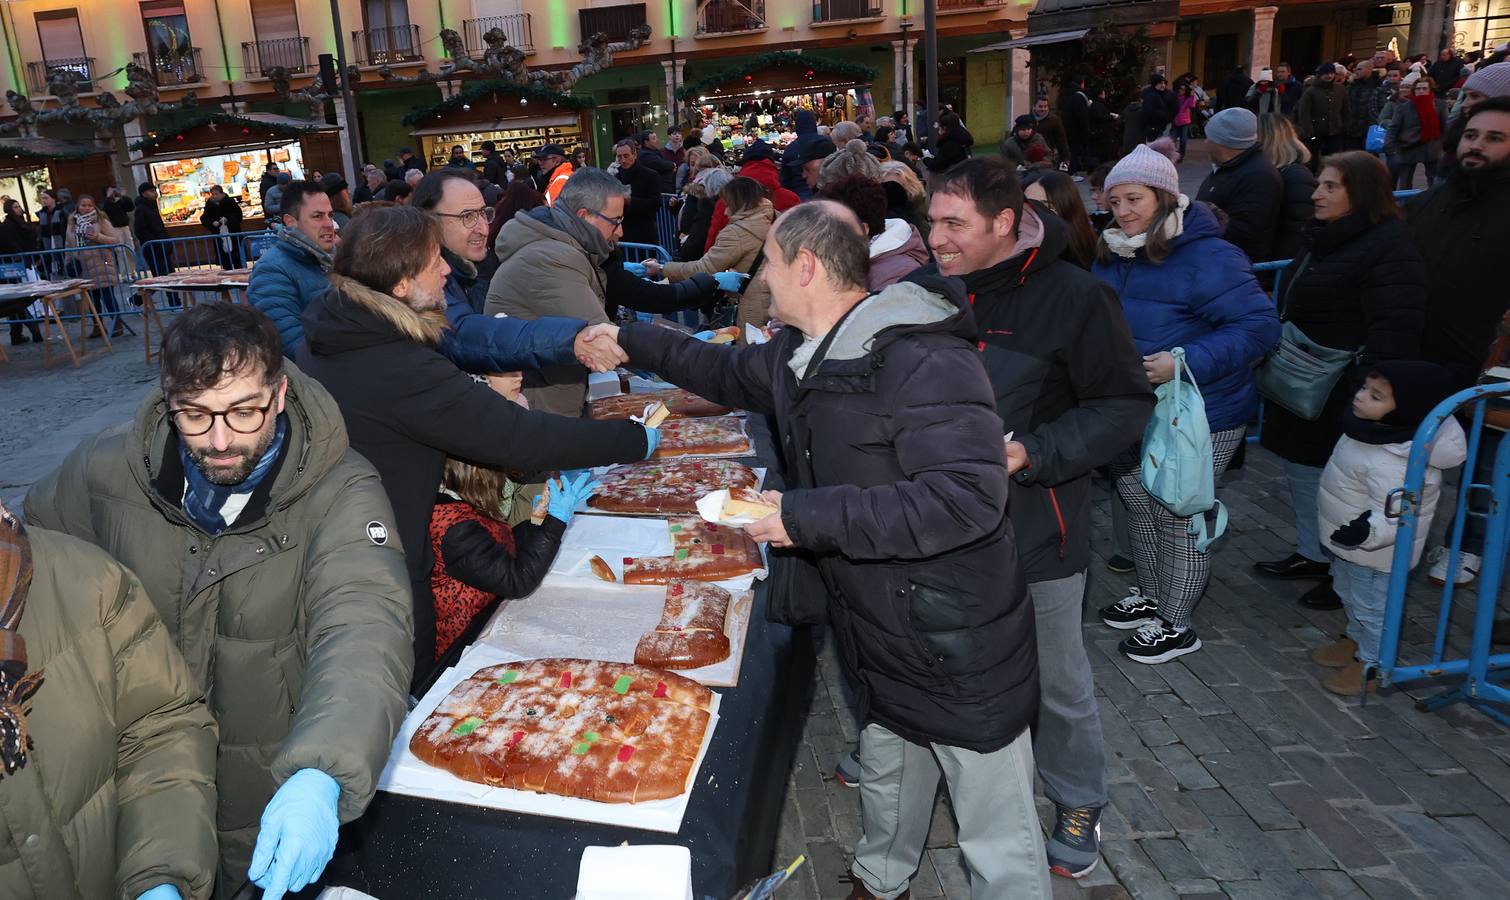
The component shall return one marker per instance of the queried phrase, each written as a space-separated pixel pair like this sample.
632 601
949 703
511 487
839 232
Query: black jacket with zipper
1069 384
897 493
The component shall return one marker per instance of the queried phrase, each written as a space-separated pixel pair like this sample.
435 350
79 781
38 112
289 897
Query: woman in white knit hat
1181 285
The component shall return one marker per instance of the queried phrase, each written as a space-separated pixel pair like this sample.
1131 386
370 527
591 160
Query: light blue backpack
1177 464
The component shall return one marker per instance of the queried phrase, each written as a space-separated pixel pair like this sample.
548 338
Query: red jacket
765 172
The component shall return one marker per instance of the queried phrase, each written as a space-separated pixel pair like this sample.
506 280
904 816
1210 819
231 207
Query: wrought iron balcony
730 16
966 5
845 10
614 21
37 73
385 46
292 53
172 68
516 28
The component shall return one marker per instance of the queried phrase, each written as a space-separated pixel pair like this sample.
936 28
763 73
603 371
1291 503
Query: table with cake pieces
20 296
186 284
618 611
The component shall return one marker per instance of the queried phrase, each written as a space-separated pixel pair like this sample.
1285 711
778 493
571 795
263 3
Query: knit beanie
1491 81
1326 68
1146 167
1235 129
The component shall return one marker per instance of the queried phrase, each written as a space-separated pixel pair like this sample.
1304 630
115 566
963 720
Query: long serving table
406 847
228 284
17 297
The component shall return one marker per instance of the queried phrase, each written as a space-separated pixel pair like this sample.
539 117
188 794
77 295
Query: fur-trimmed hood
352 315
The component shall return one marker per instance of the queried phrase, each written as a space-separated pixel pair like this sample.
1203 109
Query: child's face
1375 400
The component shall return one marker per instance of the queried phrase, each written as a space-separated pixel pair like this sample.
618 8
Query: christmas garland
48 148
476 90
224 118
827 65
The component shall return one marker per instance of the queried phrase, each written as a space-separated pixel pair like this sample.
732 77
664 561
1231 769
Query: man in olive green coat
116 795
268 548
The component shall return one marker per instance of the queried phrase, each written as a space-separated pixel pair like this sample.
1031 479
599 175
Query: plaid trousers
1170 569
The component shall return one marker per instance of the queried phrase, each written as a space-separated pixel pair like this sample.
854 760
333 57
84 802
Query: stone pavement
1232 773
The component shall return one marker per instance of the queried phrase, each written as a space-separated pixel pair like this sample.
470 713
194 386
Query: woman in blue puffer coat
1181 285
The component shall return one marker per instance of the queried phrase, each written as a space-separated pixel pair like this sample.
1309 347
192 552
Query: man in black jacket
653 157
1070 387
1076 108
148 226
1243 184
644 192
897 493
117 207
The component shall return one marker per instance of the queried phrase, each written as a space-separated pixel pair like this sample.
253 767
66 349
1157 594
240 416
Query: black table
407 847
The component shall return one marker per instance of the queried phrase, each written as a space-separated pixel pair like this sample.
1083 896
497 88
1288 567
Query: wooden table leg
50 316
149 318
86 299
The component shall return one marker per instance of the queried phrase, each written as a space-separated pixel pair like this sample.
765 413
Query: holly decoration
1116 58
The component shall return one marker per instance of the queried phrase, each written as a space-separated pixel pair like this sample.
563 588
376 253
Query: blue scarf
203 499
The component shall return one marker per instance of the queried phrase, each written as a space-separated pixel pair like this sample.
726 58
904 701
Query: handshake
597 348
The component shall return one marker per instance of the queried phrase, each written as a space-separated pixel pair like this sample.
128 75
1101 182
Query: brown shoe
861 892
1348 681
1336 655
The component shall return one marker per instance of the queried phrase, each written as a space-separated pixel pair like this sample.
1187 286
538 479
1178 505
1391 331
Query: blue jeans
1073 762
1181 134
1364 592
1305 483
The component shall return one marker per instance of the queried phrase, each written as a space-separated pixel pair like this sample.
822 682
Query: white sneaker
1468 567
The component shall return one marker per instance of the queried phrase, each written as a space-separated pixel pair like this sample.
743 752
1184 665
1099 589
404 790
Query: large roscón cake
681 403
659 488
701 551
611 732
719 436
691 631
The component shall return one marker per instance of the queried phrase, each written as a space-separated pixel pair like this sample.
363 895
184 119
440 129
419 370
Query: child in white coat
1367 463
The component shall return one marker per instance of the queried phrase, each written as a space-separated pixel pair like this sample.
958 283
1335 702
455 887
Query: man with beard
1462 231
265 543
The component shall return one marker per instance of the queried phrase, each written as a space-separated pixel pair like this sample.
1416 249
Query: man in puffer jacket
115 797
897 496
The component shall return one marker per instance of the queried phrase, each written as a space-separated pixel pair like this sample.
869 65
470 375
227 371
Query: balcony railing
730 16
37 73
961 5
516 28
844 10
614 21
385 46
179 67
292 53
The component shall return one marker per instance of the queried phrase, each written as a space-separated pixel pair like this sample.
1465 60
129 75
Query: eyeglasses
613 222
470 217
240 419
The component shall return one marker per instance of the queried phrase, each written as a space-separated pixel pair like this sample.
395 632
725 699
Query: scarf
1127 247
303 242
204 499
83 223
1426 111
593 243
17 687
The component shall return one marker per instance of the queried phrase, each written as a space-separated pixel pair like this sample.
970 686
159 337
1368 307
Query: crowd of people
329 485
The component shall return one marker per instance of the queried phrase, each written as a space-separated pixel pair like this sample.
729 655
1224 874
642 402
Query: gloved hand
566 495
161 892
1354 533
705 336
298 835
636 269
652 440
730 281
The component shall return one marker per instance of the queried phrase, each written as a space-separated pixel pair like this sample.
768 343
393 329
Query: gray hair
413 177
845 131
590 189
631 143
853 159
885 122
831 233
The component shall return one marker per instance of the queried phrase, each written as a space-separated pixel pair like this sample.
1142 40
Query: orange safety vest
557 182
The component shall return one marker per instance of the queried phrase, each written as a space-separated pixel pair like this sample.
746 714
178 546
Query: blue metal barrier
1401 195
1278 267
117 271
641 252
200 251
1477 686
665 222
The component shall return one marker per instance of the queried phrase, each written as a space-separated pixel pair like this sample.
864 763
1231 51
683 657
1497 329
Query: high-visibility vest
557 182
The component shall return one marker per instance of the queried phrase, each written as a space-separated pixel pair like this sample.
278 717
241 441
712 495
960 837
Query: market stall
231 150
513 117
29 164
475 843
761 97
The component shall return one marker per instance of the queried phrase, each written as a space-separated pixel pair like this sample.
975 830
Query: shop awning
223 132
22 153
557 121
1035 40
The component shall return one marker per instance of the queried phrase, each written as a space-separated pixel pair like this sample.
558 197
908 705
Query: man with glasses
269 550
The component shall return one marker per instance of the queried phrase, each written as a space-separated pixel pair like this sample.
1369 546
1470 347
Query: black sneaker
847 770
1119 564
1158 642
1132 611
1075 846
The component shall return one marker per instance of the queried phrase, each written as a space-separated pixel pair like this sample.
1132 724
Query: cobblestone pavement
1232 773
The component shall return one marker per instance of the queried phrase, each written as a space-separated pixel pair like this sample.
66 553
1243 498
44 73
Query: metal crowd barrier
202 251
77 262
1278 267
641 252
1477 674
665 223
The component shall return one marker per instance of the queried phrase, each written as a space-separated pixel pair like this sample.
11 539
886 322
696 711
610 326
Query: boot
1336 655
1322 596
861 892
1346 681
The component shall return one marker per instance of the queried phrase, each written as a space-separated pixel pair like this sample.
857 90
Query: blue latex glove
636 269
567 495
652 440
298 835
730 281
705 336
161 892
